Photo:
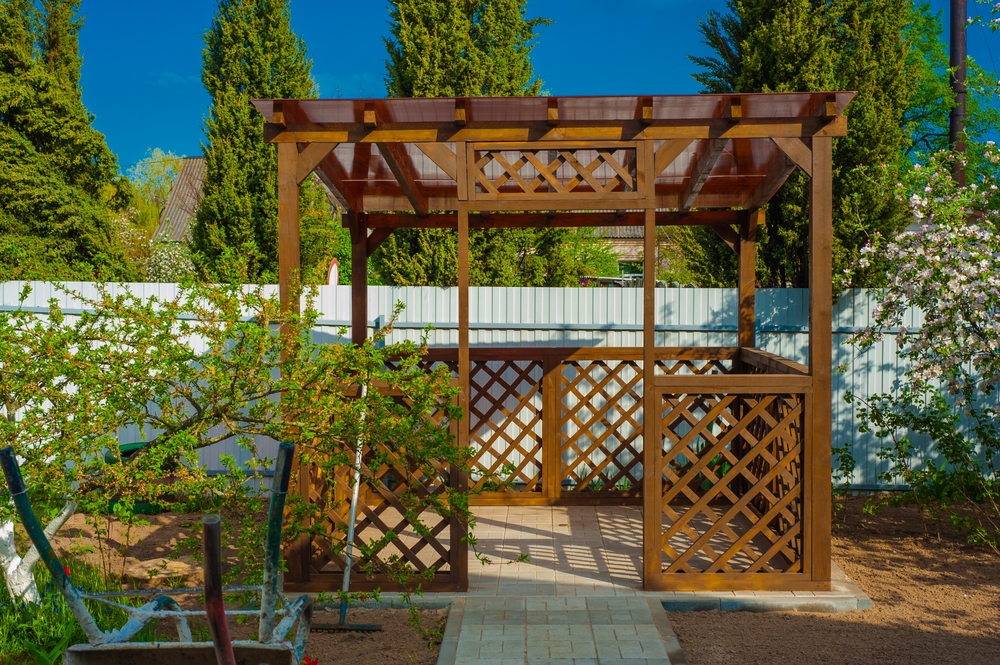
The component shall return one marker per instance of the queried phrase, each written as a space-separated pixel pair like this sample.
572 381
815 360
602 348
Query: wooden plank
404 220
734 384
771 363
701 171
551 406
736 582
310 157
359 280
441 155
728 236
332 174
796 150
747 280
651 477
553 111
667 153
626 130
464 363
376 238
819 428
774 179
401 165
565 499
288 225
461 116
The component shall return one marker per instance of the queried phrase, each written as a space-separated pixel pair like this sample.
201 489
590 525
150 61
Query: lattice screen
505 420
732 483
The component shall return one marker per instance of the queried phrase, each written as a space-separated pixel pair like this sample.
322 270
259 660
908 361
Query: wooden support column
749 221
288 223
464 382
652 485
359 277
819 415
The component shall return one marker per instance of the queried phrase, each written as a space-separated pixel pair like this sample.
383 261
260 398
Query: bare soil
935 601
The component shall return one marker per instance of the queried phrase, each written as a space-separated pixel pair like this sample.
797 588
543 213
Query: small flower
306 660
66 570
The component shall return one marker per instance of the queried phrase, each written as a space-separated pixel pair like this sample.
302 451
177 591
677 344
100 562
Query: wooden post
288 224
551 459
300 554
819 412
749 221
359 277
464 364
652 491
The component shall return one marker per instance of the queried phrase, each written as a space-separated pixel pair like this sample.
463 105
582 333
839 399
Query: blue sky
142 60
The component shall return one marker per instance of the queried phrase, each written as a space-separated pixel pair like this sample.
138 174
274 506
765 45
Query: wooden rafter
333 177
624 130
728 235
310 157
796 150
441 155
376 238
702 169
542 219
667 153
401 165
774 179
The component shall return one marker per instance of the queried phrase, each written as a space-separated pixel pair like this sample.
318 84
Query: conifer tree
802 45
472 48
252 52
58 178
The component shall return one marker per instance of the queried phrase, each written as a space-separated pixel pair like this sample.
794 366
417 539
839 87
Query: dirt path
935 602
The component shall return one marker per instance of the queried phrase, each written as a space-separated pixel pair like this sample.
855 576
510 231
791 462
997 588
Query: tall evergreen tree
252 52
57 176
472 48
793 45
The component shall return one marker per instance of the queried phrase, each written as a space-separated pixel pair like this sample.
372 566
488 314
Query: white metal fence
590 317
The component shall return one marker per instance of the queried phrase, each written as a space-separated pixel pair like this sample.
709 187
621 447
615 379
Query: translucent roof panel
730 173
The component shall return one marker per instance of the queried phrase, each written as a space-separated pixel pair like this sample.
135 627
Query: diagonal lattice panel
505 422
567 171
600 426
732 483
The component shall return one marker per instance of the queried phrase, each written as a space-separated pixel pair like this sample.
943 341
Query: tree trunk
18 571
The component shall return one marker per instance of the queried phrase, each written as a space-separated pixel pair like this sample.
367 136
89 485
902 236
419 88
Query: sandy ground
936 601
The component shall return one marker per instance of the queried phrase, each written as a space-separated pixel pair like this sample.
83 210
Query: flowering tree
947 264
204 367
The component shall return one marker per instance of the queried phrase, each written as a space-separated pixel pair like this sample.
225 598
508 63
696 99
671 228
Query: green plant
843 472
433 634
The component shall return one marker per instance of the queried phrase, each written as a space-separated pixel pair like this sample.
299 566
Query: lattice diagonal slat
600 426
505 420
525 171
732 483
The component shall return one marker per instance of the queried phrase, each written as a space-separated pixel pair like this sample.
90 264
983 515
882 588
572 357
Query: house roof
183 200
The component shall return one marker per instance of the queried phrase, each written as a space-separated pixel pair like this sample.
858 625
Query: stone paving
578 598
560 631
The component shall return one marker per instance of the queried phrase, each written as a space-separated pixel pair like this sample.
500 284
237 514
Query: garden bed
935 601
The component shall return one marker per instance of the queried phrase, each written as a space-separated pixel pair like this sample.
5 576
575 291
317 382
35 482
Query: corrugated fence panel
582 317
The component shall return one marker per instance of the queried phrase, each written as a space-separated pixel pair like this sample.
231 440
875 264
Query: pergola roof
712 151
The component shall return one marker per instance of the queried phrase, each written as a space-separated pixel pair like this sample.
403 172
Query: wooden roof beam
702 169
774 179
309 158
333 177
548 219
401 165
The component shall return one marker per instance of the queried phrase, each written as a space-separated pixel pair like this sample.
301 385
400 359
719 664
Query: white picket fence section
573 317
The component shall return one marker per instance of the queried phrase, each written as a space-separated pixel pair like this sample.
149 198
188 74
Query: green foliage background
472 48
59 182
251 52
891 53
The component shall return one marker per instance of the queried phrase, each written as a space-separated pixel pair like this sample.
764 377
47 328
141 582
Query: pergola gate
733 471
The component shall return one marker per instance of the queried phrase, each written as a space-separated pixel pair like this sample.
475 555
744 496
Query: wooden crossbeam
544 220
774 179
702 169
728 235
401 165
441 155
333 176
667 153
376 238
310 157
797 151
540 130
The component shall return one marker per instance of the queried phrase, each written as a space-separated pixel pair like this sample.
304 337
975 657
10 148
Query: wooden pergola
735 490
